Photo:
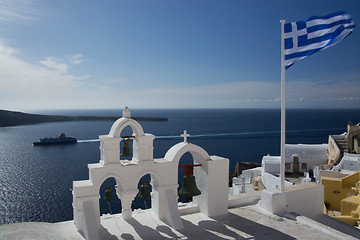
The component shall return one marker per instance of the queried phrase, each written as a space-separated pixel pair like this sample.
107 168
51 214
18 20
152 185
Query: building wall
333 192
336 189
271 167
333 153
353 137
251 173
292 200
349 162
356 146
328 173
315 198
303 157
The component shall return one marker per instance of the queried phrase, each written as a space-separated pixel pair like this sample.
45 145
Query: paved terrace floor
247 222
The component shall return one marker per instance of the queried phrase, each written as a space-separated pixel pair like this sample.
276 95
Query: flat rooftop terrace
244 222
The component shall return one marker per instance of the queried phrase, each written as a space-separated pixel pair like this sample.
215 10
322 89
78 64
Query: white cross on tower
295 33
185 135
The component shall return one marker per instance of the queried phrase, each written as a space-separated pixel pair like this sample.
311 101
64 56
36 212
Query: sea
36 181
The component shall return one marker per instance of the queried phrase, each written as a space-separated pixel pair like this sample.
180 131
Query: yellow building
342 194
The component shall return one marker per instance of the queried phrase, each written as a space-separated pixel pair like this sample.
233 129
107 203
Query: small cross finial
126 112
185 135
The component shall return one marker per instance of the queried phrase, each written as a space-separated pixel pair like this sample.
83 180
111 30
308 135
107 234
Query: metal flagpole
282 163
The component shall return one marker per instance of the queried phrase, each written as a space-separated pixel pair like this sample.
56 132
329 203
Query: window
303 165
287 166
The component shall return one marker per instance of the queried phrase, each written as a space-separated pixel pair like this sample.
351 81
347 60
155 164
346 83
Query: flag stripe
303 40
302 54
318 27
327 17
325 20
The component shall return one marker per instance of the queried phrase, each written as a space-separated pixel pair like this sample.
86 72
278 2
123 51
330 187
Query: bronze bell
126 148
144 191
108 195
189 188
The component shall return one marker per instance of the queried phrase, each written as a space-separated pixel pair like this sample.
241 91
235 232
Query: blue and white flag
304 38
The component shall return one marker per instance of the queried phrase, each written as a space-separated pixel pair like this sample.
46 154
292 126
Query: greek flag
304 38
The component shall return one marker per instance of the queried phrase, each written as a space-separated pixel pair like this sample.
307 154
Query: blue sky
64 54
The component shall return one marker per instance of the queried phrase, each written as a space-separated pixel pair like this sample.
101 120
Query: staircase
342 144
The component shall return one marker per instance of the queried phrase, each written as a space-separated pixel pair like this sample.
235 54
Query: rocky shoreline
12 118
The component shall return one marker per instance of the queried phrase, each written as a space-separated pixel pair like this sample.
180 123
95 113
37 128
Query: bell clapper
108 197
109 207
144 191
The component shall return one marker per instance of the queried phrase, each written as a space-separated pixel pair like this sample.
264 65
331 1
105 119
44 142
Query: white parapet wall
251 173
214 199
305 199
349 162
270 181
334 153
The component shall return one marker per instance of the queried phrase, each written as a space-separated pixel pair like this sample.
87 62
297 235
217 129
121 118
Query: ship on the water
61 139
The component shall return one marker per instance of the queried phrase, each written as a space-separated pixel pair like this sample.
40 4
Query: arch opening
126 131
122 123
185 159
113 205
139 201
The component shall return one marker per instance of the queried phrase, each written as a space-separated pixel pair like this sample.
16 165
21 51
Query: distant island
11 118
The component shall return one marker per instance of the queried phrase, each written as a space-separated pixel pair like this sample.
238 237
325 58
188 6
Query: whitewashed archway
212 179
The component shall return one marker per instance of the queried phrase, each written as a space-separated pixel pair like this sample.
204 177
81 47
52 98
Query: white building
271 164
349 164
300 158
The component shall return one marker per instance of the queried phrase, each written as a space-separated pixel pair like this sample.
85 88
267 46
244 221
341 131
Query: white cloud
246 94
6 50
77 58
348 99
227 95
19 10
27 85
49 84
51 63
